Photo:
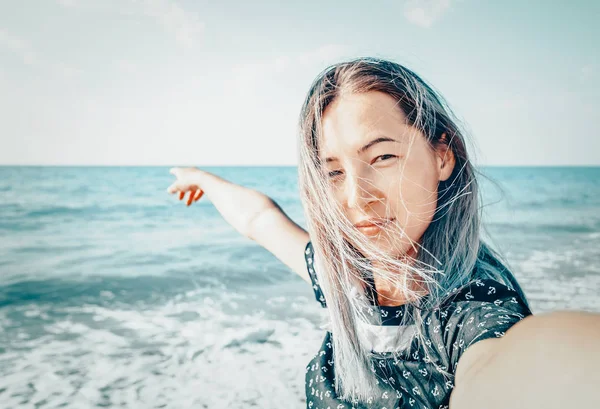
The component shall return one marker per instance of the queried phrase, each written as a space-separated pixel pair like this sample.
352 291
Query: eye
334 173
384 157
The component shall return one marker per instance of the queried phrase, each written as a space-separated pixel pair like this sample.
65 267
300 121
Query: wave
545 227
100 290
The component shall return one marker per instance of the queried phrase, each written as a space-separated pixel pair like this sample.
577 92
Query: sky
197 83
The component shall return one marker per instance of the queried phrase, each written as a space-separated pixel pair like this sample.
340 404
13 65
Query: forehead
354 119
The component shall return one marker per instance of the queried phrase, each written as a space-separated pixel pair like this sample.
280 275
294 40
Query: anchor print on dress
437 390
458 344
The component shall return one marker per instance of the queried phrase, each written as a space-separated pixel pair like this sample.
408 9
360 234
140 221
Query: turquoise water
113 293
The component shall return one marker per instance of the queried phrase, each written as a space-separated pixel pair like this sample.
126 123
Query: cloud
320 55
424 13
586 72
30 57
125 66
68 3
325 53
247 76
184 25
18 46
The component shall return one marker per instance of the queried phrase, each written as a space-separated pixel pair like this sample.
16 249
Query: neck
391 294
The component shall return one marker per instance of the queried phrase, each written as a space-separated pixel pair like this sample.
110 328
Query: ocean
115 294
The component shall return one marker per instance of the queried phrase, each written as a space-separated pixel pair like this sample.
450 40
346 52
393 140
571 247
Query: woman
417 302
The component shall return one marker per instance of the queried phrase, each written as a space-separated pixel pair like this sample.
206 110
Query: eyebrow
367 146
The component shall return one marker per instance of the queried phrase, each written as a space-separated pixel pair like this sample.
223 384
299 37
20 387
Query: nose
359 192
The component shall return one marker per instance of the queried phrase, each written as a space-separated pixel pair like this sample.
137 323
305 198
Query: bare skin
546 361
395 179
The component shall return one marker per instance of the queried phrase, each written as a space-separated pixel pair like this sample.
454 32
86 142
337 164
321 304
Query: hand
187 181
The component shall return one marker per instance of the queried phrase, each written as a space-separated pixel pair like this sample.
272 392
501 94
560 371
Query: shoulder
486 291
485 309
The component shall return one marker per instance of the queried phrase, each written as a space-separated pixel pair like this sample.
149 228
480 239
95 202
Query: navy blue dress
485 309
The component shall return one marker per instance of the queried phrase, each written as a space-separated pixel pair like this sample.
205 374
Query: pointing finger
172 189
198 195
181 195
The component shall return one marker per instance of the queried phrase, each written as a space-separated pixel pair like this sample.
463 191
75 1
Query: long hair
451 254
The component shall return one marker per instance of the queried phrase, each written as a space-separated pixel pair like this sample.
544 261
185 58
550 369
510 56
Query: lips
372 228
372 223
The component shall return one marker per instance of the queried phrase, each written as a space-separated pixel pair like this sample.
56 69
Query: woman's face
379 167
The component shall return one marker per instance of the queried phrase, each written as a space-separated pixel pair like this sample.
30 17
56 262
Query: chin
398 248
393 248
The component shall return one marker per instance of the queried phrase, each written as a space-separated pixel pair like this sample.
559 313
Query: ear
445 158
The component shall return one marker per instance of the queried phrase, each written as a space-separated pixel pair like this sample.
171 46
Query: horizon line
267 166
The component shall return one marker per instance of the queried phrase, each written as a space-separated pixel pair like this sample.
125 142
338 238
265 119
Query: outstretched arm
279 234
547 361
250 212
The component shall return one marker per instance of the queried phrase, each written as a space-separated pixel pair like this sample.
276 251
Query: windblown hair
451 253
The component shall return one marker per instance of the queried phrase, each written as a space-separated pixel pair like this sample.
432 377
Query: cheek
416 202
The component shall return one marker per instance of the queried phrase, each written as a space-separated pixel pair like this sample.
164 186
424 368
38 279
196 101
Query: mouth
373 227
